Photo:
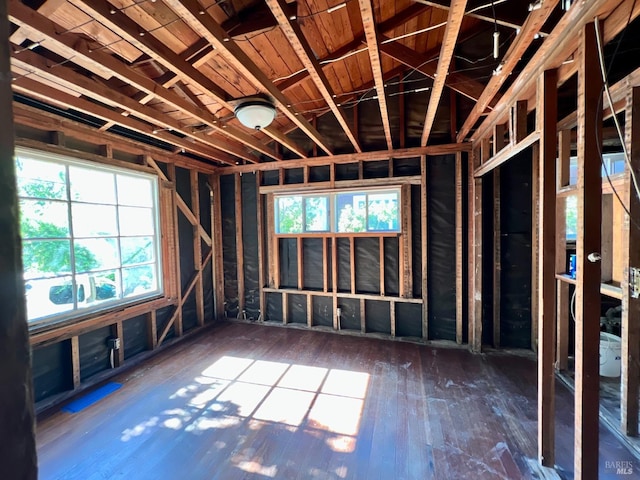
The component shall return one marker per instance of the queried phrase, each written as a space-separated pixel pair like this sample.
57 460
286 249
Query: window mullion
72 248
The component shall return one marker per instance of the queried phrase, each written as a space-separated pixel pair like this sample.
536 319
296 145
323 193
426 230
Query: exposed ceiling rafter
368 21
530 29
208 28
452 29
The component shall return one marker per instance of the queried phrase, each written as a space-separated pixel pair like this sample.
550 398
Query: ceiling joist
300 45
368 21
206 26
454 22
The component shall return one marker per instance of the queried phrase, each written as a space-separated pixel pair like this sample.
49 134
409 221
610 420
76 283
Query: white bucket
610 355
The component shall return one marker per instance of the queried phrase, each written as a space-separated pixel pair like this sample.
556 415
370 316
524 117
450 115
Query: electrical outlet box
113 343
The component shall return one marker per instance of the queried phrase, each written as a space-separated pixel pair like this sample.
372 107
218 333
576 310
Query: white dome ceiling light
255 112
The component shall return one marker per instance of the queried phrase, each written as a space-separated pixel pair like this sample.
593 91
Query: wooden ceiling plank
368 20
458 82
479 16
452 29
300 45
24 16
557 47
126 28
54 96
207 27
356 44
518 47
67 78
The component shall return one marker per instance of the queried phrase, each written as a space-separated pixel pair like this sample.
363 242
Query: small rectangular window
373 210
90 235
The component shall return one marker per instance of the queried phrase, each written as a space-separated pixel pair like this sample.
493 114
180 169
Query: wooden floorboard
255 402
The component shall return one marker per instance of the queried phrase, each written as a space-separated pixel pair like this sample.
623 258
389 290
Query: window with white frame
353 211
90 235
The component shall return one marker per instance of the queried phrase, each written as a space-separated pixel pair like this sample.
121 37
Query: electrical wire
610 100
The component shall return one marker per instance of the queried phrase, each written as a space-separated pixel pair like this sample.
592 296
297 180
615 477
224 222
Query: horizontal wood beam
506 154
446 149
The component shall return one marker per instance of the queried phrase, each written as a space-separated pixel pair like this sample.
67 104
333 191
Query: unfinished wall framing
74 355
397 285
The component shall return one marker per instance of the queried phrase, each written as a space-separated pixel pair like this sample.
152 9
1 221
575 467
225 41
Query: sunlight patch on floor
285 406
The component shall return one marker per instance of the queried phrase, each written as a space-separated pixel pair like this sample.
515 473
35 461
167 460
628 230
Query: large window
89 235
375 210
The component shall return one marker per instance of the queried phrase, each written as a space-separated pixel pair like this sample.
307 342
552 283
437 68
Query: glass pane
316 214
572 217
289 210
41 179
350 212
383 212
97 288
91 185
136 250
135 191
94 220
44 219
48 296
136 221
139 280
96 254
46 257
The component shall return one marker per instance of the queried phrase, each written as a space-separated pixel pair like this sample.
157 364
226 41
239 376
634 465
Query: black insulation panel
204 199
377 316
162 319
375 169
367 265
408 320
515 249
135 336
441 247
323 311
297 309
51 367
207 287
487 255
312 263
320 173
250 242
293 175
94 353
288 262
270 177
346 171
274 307
349 313
183 185
189 315
344 265
185 235
391 267
404 167
229 252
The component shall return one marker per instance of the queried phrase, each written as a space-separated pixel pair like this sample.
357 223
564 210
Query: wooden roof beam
386 26
454 21
557 47
65 78
530 29
54 96
479 16
208 28
302 48
74 47
369 23
458 82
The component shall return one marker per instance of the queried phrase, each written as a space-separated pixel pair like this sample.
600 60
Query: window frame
78 312
333 214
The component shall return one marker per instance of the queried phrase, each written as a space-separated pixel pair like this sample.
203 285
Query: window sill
55 331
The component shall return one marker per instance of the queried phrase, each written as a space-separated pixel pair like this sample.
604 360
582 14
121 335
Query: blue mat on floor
91 398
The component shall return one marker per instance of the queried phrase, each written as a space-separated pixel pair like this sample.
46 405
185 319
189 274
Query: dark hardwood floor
254 402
